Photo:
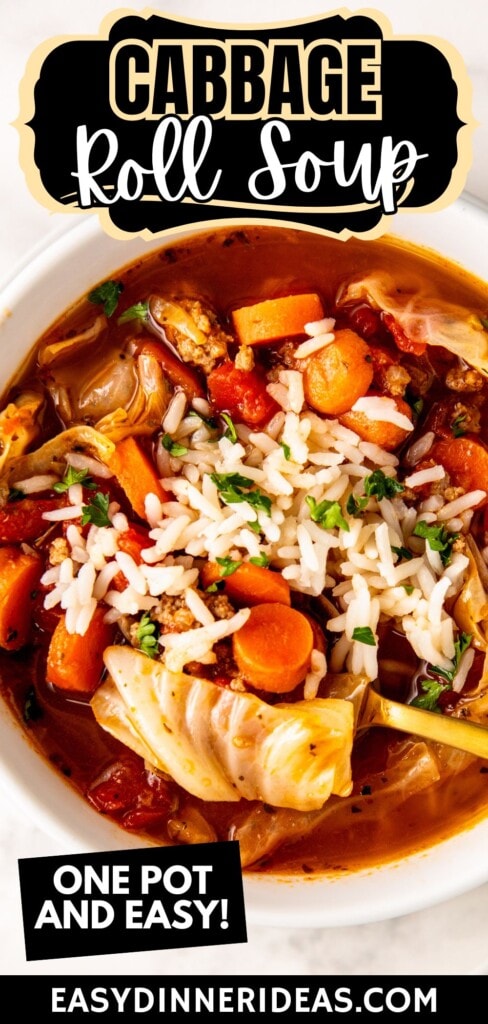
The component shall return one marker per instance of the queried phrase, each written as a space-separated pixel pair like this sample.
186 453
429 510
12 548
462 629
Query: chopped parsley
231 488
96 511
139 311
328 514
402 552
227 565
230 432
432 688
408 588
209 421
380 486
364 635
286 450
460 646
107 295
74 476
429 699
261 560
174 449
457 425
254 526
147 636
356 506
438 538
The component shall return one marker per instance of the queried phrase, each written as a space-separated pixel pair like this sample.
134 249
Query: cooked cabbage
424 317
220 744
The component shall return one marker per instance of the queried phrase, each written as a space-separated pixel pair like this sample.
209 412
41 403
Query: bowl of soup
244 555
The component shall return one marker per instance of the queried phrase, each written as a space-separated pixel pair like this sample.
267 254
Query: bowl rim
394 889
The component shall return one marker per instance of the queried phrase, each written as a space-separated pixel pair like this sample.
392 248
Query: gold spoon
373 709
455 732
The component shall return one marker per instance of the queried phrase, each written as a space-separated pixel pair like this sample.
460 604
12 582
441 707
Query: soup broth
248 476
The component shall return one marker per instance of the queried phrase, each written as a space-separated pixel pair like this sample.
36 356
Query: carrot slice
273 648
387 435
136 474
273 319
19 577
75 662
338 374
249 584
466 461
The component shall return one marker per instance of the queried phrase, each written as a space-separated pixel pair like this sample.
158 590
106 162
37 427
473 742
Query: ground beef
396 379
464 380
58 551
174 616
215 348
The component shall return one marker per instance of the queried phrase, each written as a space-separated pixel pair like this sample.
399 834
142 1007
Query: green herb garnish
286 450
408 588
96 511
356 506
364 635
107 295
438 539
174 449
327 514
261 560
231 432
254 526
139 311
147 636
230 487
457 426
460 646
380 486
402 552
209 421
74 476
428 701
227 565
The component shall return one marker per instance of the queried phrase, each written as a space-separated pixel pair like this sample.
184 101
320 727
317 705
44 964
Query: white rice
300 455
383 410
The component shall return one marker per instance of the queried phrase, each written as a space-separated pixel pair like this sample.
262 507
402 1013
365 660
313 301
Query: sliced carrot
19 577
338 374
249 584
136 474
273 648
387 435
466 461
75 662
273 319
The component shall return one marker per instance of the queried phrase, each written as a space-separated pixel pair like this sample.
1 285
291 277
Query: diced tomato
404 343
241 393
132 542
365 321
125 790
22 520
466 460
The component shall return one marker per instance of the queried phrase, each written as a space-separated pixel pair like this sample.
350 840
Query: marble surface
450 938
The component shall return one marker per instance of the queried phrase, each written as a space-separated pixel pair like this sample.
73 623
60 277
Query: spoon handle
455 732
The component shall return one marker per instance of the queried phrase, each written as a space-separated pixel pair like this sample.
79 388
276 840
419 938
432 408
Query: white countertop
448 939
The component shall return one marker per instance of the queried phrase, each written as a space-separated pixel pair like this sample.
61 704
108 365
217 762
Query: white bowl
35 296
